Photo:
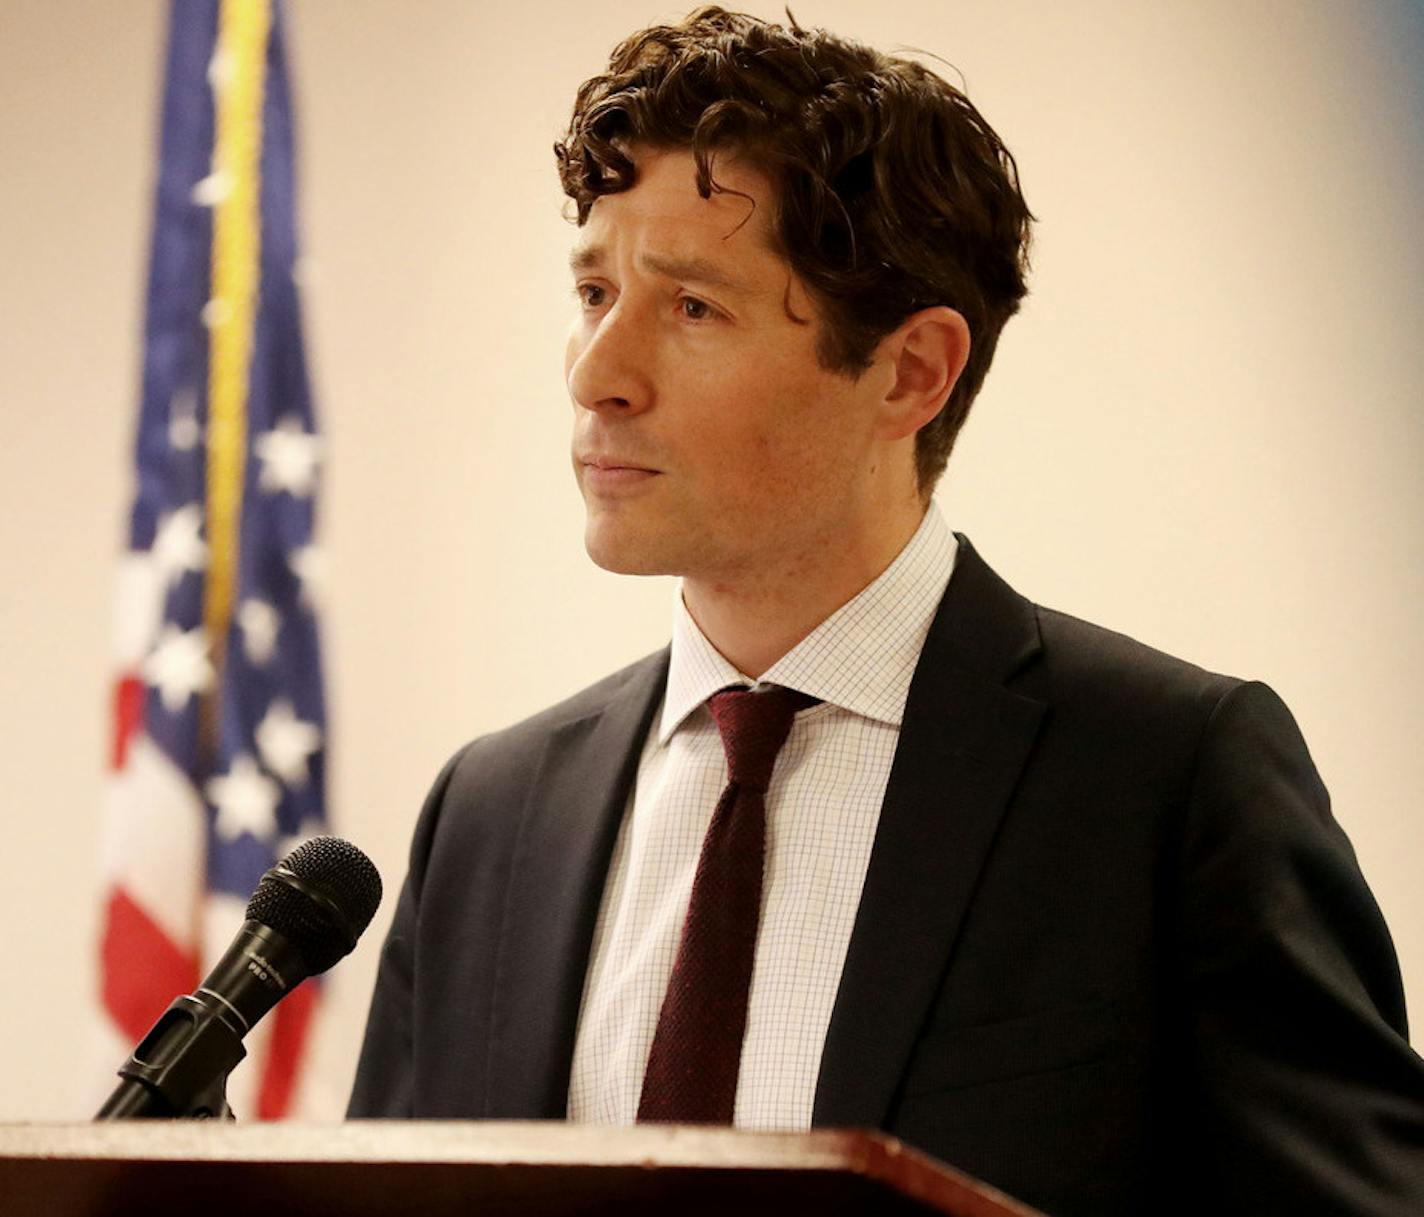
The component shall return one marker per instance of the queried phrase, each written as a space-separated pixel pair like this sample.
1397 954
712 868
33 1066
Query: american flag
219 742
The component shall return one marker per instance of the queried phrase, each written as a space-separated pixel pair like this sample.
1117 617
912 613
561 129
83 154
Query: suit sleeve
1311 1100
385 1071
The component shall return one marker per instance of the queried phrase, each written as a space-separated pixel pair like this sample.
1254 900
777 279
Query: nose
607 363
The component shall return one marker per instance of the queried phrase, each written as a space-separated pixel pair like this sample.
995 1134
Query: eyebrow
695 270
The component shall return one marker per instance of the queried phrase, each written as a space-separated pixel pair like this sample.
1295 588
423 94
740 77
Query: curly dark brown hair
893 193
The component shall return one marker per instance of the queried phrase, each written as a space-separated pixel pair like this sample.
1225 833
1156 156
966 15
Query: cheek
736 421
821 443
762 423
804 415
769 435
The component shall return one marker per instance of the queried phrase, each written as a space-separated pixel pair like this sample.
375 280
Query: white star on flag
220 70
178 666
216 312
286 742
310 569
178 545
259 623
289 455
184 431
246 800
213 189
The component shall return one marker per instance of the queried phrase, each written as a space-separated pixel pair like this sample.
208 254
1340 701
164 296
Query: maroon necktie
697 1047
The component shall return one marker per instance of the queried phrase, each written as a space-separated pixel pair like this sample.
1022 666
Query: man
1064 911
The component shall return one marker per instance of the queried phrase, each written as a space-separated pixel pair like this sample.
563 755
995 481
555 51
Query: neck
753 620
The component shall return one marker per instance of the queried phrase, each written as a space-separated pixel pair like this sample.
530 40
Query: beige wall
1204 429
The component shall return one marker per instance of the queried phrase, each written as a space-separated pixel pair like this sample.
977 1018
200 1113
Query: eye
696 310
590 295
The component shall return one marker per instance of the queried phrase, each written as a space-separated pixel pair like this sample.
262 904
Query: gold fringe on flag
238 77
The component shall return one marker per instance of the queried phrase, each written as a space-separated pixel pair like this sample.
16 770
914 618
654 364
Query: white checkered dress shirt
822 809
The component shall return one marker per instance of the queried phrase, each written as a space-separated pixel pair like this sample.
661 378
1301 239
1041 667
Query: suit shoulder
987 627
1155 709
479 793
1079 657
510 750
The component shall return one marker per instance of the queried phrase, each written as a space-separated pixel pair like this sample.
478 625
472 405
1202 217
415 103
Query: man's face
708 441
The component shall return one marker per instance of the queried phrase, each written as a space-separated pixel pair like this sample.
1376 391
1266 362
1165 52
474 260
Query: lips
613 475
611 463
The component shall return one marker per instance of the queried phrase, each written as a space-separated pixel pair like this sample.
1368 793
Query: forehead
662 215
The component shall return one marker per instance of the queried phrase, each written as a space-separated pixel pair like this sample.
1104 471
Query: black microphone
307 912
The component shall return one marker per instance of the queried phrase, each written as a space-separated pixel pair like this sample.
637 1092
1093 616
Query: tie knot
753 727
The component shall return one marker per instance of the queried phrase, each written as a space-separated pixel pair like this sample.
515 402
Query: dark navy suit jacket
1113 954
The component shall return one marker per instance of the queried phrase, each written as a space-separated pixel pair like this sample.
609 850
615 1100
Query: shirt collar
860 658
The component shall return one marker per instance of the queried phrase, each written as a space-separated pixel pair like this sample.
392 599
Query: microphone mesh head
325 901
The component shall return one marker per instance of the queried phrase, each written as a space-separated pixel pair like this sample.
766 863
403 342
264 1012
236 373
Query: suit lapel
566 837
964 741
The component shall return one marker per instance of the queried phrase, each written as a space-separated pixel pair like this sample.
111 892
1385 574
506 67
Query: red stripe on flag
292 1020
143 968
128 717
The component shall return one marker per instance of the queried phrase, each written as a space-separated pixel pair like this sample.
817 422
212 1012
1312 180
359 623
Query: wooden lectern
393 1168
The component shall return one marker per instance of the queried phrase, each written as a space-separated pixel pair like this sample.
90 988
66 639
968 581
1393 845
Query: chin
623 555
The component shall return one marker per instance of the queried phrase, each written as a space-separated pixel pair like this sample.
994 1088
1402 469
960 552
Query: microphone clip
179 1069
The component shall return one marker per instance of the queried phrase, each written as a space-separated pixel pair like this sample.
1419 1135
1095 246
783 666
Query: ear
927 351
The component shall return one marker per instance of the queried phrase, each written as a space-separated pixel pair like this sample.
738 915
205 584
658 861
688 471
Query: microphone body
307 913
198 1039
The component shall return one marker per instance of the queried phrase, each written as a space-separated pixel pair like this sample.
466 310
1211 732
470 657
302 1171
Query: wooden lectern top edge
872 1155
